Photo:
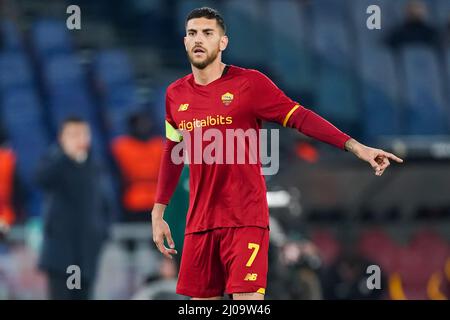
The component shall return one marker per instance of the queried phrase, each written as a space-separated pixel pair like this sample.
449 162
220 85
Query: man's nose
198 39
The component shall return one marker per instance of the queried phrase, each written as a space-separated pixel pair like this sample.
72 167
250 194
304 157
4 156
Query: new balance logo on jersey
183 107
251 277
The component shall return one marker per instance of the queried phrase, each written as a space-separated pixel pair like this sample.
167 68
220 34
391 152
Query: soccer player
227 227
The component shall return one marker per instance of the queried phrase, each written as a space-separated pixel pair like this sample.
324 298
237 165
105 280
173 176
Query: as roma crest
227 98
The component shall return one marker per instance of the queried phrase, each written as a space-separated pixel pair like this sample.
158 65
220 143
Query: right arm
169 175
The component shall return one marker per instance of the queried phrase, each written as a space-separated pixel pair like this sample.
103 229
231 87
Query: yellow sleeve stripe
261 290
172 134
290 114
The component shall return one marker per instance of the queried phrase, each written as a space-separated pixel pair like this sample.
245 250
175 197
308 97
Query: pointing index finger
393 157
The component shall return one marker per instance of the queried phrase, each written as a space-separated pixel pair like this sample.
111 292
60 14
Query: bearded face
204 41
200 57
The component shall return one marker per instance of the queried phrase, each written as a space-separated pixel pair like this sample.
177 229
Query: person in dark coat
77 213
415 29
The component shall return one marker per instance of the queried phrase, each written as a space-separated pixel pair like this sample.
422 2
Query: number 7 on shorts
255 248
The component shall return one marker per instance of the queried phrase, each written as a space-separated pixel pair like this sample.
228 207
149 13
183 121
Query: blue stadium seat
336 97
380 95
158 109
359 16
290 13
119 92
73 103
69 95
123 97
67 90
331 37
15 71
248 44
425 101
112 67
51 37
21 105
447 89
292 58
22 113
448 61
12 39
398 8
439 11
328 8
120 104
63 70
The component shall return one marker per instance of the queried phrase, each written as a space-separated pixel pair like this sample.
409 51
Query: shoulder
178 84
55 153
251 76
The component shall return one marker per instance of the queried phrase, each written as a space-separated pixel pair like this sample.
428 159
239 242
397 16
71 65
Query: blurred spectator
138 157
301 261
415 28
346 279
294 266
161 286
78 212
11 192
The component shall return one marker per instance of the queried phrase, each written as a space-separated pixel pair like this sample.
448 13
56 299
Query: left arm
314 126
271 104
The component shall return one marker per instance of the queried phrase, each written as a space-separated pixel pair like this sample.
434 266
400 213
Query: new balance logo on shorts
251 277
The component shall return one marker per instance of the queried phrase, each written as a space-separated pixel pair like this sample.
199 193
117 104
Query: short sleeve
269 102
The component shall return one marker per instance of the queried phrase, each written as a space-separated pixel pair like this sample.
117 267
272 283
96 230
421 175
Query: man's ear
184 41
223 42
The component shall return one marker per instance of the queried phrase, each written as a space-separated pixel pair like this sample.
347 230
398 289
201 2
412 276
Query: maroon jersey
224 194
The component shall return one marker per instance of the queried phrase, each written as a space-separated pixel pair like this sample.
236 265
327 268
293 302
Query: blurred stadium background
331 215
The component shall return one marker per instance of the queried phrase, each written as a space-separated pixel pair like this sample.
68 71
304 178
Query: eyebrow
204 30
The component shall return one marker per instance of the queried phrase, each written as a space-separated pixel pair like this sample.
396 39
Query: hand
377 158
161 231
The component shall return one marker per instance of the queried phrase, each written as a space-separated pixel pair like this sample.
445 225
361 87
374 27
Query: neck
209 74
